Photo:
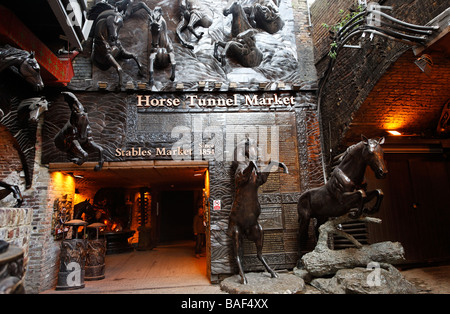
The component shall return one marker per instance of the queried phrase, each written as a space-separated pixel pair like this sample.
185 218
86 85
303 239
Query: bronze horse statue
107 48
76 136
345 191
22 63
242 47
245 210
161 53
193 13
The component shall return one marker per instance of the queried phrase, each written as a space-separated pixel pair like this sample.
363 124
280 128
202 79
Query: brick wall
357 71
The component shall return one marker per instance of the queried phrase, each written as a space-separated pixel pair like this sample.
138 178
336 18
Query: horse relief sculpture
346 191
76 136
242 47
245 210
161 51
10 188
107 48
265 15
193 13
22 63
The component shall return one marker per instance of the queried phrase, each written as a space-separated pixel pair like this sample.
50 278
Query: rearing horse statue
76 136
345 191
246 209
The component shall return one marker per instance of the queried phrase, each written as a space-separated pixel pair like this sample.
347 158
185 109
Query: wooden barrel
95 259
72 264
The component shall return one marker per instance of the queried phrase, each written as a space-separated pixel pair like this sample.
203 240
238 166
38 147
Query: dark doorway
177 214
415 209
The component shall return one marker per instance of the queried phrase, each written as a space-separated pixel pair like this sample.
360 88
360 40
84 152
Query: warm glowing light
395 133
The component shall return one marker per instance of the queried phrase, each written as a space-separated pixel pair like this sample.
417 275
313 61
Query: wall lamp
425 63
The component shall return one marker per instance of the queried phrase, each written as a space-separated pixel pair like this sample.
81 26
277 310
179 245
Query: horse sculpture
107 48
128 7
31 109
22 63
264 14
161 53
10 188
193 13
345 191
245 210
76 136
243 46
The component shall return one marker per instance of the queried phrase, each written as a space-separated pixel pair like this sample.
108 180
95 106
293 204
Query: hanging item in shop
246 208
76 136
161 53
346 190
193 13
107 48
23 63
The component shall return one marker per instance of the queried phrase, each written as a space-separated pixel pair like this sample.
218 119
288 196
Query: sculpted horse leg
128 55
151 68
370 196
304 217
354 200
238 251
92 144
256 234
180 28
80 155
174 64
118 68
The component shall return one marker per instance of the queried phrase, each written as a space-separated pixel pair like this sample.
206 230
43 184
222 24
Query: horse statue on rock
245 210
107 48
161 53
76 136
345 191
22 63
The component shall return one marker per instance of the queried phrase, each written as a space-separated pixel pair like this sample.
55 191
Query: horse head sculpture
32 108
23 63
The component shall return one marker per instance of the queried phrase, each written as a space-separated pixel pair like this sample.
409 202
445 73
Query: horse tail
304 216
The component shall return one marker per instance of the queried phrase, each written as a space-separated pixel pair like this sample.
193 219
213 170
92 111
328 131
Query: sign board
216 205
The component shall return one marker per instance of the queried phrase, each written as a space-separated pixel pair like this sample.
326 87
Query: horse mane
348 151
9 56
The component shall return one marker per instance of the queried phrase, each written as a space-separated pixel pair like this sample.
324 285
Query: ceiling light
395 133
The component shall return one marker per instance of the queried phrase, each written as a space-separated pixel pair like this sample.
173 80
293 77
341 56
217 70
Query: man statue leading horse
246 209
345 191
